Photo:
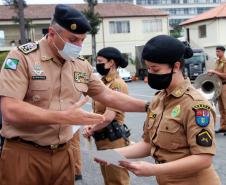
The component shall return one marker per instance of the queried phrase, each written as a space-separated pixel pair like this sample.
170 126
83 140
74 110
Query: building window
119 27
2 38
154 25
202 31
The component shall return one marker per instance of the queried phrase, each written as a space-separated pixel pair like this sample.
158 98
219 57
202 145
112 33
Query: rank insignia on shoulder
11 63
81 77
28 48
204 138
202 115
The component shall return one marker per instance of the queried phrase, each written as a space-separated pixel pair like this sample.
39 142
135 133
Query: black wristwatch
147 105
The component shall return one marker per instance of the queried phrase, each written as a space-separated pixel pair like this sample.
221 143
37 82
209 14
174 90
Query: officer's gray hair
56 26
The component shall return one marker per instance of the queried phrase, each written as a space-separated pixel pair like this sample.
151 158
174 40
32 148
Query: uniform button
36 98
61 101
167 128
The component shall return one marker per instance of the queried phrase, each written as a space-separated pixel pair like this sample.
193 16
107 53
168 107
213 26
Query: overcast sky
50 1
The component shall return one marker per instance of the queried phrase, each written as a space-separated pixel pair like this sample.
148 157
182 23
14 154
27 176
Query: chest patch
202 115
38 73
81 77
176 111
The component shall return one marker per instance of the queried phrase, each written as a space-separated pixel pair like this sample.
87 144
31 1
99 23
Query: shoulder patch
204 138
202 114
28 48
11 63
201 106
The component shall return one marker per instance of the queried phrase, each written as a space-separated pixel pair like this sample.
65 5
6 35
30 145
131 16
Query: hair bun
188 53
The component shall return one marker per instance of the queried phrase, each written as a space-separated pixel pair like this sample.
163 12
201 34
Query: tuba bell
209 86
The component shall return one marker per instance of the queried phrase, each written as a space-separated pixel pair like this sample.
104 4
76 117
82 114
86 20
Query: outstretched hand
139 168
75 115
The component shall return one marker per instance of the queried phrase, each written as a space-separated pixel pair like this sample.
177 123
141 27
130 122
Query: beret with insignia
71 19
164 49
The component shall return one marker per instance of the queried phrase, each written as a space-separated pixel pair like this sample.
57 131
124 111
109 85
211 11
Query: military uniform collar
110 77
180 89
46 52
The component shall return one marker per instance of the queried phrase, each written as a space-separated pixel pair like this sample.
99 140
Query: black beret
115 54
164 49
222 48
71 19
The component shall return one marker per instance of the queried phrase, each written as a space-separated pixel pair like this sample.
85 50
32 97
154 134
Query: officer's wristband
147 106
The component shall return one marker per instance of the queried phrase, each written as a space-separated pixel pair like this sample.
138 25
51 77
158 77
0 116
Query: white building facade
207 30
179 10
123 26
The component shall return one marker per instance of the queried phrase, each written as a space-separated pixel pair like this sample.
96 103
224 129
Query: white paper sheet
111 156
75 128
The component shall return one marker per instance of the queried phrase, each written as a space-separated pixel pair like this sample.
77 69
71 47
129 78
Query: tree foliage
94 20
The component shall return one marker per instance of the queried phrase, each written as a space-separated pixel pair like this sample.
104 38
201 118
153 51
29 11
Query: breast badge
176 111
81 77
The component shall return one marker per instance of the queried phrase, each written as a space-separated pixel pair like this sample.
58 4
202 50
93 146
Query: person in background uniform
113 133
220 71
179 127
40 88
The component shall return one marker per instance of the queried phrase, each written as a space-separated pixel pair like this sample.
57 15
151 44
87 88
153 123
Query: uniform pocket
171 136
39 93
82 87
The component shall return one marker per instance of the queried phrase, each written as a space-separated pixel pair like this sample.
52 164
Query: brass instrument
209 86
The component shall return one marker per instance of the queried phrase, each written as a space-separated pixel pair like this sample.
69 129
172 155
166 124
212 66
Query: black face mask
160 81
100 69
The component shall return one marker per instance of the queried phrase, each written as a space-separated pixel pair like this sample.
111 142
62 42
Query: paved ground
91 171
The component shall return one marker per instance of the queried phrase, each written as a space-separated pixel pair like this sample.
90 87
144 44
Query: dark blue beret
222 48
71 19
165 49
115 54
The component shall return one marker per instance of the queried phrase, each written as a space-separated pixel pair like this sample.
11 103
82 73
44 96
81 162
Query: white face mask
70 51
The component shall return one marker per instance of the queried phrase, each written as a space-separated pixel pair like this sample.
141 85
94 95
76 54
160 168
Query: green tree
176 31
94 20
19 6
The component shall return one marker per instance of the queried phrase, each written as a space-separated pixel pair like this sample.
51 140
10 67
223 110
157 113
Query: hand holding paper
106 157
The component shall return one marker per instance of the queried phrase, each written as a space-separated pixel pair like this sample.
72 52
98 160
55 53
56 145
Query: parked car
125 75
195 65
